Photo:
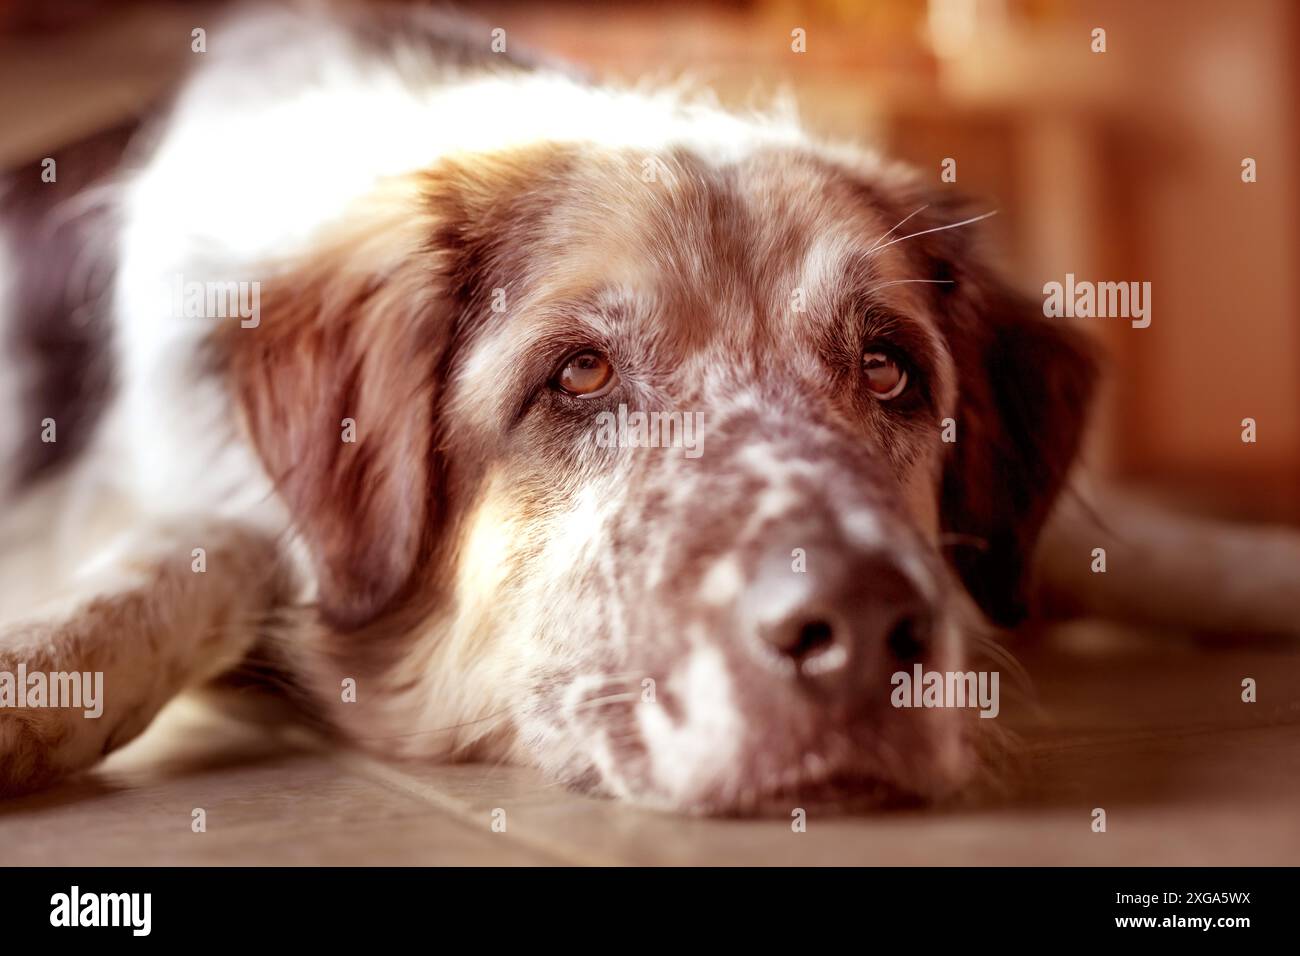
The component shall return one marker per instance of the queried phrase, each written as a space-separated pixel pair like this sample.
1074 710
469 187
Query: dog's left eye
584 374
886 378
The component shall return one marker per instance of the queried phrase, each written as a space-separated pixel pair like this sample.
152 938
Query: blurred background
1117 166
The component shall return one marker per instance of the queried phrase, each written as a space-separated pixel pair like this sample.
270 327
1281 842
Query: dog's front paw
30 745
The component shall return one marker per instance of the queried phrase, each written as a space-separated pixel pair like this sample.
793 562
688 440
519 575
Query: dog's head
700 608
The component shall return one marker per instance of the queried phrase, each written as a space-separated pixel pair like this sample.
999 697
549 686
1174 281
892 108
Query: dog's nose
843 614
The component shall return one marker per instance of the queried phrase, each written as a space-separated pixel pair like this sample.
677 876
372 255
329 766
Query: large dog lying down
381 481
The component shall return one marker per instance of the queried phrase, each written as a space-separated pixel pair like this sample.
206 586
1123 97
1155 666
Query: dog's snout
848 613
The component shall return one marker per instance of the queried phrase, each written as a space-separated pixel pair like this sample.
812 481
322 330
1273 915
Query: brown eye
885 377
584 373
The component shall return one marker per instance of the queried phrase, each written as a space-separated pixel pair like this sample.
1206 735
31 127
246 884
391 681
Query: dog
322 369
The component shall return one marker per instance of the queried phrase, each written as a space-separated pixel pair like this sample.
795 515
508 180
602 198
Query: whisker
923 232
1093 513
993 649
608 699
906 281
877 243
620 676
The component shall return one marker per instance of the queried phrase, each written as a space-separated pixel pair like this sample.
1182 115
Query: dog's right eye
584 374
885 375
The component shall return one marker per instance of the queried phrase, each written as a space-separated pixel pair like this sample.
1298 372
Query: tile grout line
394 779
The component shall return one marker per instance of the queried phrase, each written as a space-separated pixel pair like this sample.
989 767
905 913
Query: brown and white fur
434 229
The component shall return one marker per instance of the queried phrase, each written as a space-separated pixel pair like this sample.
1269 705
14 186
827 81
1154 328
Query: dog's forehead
685 266
716 250
758 227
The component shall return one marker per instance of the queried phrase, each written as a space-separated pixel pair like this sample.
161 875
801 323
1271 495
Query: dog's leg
153 618
1166 569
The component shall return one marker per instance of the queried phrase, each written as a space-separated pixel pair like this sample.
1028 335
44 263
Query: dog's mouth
821 790
773 781
716 741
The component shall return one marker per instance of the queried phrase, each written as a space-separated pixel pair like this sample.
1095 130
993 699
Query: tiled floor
1151 729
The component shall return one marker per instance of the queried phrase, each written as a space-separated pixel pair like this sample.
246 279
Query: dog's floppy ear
337 385
340 383
1024 387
